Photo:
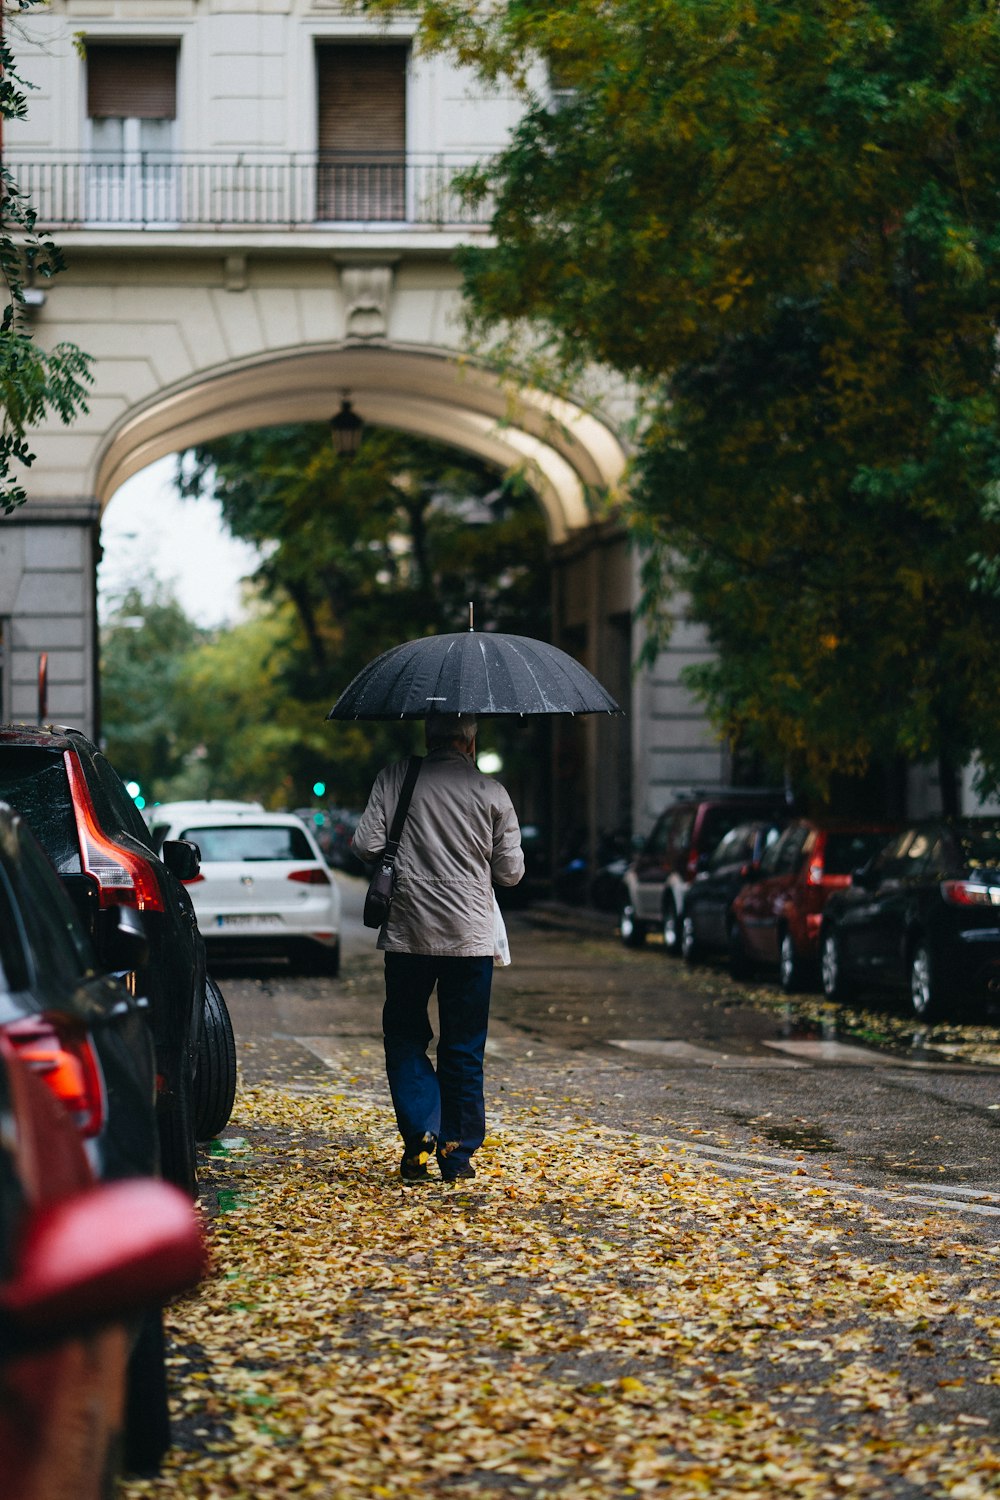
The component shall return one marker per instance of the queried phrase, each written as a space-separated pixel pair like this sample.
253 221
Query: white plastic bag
501 948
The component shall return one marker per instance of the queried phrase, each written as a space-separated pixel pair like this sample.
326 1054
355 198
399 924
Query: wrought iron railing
251 190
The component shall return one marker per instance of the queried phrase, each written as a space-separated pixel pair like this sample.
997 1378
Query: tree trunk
949 786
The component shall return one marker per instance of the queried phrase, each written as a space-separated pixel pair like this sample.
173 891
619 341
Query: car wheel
215 1080
671 928
690 947
791 973
147 1415
836 986
740 966
927 992
175 1120
631 931
318 959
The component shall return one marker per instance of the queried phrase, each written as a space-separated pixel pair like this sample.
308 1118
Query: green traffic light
319 788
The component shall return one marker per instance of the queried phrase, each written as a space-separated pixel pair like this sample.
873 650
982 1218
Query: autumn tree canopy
783 220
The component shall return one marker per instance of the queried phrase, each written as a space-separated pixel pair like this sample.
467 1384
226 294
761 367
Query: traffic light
319 788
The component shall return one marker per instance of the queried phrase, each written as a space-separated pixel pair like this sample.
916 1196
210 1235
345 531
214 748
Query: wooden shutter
131 83
361 133
362 99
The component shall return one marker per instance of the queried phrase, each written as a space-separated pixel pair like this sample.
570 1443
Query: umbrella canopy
472 673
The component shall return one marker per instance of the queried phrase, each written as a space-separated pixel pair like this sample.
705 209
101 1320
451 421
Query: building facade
257 201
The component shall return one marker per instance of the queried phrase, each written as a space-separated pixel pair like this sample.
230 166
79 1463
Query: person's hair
446 729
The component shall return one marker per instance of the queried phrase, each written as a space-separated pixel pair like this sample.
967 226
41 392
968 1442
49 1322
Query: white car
264 887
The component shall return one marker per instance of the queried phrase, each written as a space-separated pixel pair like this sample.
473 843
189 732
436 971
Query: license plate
255 920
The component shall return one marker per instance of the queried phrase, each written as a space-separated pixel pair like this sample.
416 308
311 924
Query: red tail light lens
968 893
315 876
63 1055
123 878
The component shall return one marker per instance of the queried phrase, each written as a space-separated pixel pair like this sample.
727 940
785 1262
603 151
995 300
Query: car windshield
250 841
846 852
33 782
734 848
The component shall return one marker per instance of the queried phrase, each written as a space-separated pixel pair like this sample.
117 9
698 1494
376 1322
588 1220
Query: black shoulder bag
380 889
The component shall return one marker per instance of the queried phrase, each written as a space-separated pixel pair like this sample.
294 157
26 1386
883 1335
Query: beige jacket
460 838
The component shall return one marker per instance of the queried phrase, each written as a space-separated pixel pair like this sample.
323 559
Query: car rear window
844 853
250 842
34 783
980 846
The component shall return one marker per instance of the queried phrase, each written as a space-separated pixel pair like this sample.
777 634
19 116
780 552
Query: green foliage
33 382
358 556
145 647
781 219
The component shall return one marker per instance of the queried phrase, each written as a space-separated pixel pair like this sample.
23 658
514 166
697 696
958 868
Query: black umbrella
472 672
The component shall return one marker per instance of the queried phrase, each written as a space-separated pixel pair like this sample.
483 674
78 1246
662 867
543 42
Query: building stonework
257 201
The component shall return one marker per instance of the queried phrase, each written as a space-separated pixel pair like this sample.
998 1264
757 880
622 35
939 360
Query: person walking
460 839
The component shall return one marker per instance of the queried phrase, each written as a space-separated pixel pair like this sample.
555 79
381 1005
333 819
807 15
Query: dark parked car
87 1038
340 851
923 916
705 923
776 916
678 846
79 1263
95 837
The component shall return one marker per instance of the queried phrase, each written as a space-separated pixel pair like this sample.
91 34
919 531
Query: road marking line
687 1052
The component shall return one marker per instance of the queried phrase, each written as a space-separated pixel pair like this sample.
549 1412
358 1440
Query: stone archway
567 454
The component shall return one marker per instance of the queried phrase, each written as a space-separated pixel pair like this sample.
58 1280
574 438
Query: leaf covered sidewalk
594 1315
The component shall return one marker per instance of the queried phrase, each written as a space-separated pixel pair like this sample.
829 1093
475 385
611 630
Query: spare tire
215 1079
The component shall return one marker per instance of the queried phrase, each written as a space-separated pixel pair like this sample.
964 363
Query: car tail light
123 878
970 893
691 864
63 1055
315 876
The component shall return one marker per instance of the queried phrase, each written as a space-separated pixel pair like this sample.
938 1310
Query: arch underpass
566 454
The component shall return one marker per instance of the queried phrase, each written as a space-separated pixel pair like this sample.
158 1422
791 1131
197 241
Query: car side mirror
105 1253
181 857
122 942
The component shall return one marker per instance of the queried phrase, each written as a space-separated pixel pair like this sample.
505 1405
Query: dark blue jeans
448 1102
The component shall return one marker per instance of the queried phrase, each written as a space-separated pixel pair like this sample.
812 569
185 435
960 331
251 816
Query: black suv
92 831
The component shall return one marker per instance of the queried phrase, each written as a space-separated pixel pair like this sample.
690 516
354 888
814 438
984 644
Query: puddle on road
797 1137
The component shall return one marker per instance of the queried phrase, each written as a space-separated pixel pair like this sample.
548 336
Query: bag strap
402 808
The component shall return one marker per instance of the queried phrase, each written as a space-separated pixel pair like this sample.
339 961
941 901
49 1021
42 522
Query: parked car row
845 905
91 1243
117 1057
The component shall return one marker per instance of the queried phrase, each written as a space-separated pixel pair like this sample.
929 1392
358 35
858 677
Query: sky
148 530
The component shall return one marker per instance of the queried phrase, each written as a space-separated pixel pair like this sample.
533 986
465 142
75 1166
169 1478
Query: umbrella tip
471 620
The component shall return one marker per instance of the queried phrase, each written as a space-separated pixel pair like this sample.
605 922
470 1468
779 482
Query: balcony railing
251 190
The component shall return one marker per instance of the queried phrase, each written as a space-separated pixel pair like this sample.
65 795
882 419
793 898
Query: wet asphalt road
634 1040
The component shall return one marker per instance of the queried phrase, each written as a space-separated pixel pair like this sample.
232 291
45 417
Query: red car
79 1261
776 917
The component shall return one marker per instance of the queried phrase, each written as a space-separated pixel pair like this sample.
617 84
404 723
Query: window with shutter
361 132
132 106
